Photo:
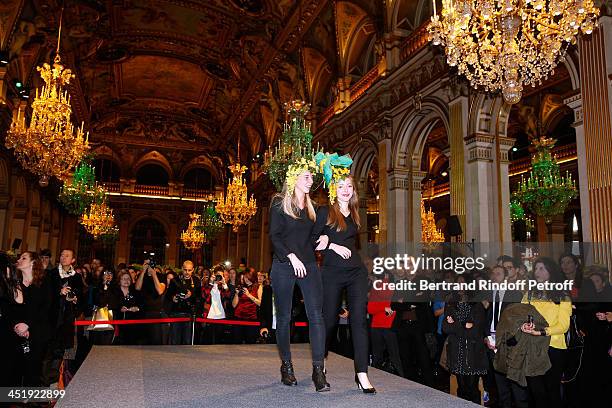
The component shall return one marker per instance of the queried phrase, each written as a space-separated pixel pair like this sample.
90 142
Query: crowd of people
422 336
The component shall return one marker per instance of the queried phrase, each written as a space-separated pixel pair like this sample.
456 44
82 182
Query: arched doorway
148 236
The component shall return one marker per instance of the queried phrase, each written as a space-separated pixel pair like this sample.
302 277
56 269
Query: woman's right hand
64 291
450 320
343 251
21 329
298 267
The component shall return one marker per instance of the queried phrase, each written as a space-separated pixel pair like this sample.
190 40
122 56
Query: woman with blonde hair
292 218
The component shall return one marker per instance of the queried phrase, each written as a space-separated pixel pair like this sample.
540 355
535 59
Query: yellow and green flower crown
293 172
334 169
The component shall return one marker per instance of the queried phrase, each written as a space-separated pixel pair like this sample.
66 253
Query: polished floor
230 376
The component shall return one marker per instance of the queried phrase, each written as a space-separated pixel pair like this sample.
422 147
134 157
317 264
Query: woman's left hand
322 243
530 329
21 329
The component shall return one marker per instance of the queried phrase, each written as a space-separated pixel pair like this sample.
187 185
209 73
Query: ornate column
384 160
504 229
479 186
415 230
398 211
362 189
123 243
594 144
458 113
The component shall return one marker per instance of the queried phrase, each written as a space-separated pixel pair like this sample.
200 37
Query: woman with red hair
245 303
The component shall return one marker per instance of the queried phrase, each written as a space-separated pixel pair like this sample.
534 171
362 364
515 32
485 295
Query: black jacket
510 297
62 313
265 309
189 305
475 358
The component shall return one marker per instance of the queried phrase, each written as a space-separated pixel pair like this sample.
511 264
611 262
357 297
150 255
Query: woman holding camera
292 218
556 307
342 266
245 303
215 293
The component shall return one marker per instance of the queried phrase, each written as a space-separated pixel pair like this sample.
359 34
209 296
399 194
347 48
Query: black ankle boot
287 374
318 377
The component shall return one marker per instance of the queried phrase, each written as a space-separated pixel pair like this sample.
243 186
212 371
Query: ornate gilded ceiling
186 78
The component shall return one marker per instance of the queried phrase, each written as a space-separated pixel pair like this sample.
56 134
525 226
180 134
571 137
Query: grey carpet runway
231 376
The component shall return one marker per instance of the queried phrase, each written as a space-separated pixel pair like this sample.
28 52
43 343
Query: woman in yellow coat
556 307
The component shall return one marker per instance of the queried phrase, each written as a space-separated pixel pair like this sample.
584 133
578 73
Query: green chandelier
210 223
545 192
294 144
82 191
517 212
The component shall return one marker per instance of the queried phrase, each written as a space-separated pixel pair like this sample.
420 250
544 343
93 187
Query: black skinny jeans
283 283
355 281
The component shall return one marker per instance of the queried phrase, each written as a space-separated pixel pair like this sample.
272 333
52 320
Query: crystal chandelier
235 207
506 44
82 191
193 238
49 146
545 192
429 232
99 220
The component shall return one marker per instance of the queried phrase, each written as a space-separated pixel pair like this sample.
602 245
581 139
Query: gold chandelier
99 220
429 232
192 237
235 207
49 146
506 44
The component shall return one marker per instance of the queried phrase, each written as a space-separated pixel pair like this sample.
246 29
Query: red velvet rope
175 320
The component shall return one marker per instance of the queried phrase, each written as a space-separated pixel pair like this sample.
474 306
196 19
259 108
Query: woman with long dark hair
343 269
247 299
556 307
292 218
10 292
33 327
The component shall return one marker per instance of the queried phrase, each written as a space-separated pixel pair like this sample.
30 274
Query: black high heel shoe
365 390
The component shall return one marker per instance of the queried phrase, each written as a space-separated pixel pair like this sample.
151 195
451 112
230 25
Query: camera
529 319
218 278
25 346
182 295
152 263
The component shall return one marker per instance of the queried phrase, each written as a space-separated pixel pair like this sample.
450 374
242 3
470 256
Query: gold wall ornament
503 45
234 207
50 145
193 238
99 220
429 232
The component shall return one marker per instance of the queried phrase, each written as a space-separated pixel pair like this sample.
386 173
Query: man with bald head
184 295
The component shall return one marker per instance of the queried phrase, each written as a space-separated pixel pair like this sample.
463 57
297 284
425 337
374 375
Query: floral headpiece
334 169
293 172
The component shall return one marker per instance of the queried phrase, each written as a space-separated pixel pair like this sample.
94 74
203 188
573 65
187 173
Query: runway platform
230 376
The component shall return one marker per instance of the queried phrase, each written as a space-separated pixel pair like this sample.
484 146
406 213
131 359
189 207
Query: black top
181 287
289 235
153 301
347 238
35 308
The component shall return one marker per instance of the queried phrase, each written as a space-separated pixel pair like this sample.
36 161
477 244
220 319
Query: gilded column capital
479 147
575 103
399 179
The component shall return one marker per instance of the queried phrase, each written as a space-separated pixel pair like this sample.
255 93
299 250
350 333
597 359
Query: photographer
245 303
216 293
149 284
184 293
125 302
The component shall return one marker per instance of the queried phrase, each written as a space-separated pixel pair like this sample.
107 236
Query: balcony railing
172 191
415 42
563 154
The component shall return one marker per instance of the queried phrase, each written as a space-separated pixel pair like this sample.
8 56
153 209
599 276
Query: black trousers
414 352
355 281
507 390
546 389
467 388
283 283
386 338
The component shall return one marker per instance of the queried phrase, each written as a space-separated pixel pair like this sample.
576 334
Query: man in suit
497 301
